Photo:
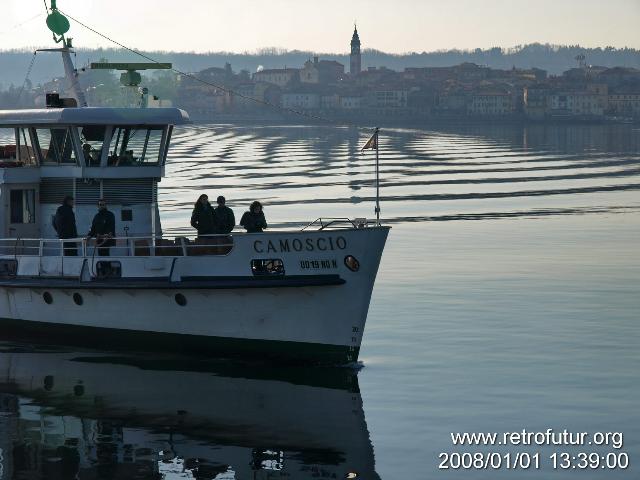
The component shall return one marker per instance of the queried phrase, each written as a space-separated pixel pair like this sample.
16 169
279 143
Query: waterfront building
619 76
216 74
535 98
383 98
321 72
330 101
452 100
299 100
491 104
465 73
281 77
351 102
330 71
310 72
589 102
374 77
625 102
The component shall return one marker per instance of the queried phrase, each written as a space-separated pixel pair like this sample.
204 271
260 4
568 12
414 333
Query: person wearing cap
64 223
224 218
103 228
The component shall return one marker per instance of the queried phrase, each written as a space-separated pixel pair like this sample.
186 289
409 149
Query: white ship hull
315 311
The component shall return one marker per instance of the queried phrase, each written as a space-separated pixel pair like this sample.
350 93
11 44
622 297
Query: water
508 298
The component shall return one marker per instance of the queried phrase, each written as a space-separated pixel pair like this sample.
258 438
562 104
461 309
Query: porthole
77 298
48 298
181 299
352 263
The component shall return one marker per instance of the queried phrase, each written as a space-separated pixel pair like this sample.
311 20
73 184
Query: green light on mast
57 23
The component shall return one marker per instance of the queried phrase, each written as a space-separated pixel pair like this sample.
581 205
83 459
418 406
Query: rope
93 256
221 87
18 25
26 78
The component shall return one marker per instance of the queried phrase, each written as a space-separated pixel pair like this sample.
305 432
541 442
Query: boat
62 417
298 295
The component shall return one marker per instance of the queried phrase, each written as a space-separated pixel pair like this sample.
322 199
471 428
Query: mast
59 25
72 77
377 209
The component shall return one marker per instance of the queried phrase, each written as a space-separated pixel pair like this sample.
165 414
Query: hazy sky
326 25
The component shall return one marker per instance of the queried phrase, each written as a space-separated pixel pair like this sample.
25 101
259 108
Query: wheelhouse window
8 146
56 146
26 151
23 206
135 145
92 139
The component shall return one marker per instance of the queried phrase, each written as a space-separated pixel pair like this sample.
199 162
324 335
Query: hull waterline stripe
187 283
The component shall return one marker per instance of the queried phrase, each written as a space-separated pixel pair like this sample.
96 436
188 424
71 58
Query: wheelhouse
88 153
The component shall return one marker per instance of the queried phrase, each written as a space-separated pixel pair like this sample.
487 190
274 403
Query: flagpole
377 177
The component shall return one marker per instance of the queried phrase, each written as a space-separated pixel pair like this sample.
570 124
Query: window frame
75 145
32 218
121 131
34 146
15 139
104 154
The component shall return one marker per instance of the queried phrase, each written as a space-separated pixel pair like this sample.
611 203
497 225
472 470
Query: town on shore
322 88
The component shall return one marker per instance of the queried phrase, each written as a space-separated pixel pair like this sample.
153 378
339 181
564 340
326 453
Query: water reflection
89 415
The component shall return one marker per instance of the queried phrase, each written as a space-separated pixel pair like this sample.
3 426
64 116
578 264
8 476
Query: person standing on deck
253 220
202 218
103 228
225 220
64 223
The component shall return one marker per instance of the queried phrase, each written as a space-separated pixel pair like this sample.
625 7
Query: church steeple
355 41
356 58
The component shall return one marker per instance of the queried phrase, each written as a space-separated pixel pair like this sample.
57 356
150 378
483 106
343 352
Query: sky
394 26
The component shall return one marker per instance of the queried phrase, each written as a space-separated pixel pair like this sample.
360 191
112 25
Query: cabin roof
95 116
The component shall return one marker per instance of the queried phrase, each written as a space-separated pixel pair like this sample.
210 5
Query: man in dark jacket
64 223
225 220
103 228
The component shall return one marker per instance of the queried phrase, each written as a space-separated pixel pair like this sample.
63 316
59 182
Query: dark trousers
103 251
70 249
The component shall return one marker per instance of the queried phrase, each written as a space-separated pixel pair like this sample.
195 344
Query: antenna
130 76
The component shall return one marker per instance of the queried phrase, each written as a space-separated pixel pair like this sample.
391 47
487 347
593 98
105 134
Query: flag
372 143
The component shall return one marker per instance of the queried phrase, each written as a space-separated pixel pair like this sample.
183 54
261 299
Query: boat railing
336 223
136 246
146 246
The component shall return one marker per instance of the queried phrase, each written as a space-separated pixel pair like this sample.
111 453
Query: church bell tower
355 66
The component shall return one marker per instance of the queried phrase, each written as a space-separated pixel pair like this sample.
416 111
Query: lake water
508 298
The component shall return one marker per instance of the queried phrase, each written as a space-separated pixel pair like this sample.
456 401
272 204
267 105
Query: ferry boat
296 294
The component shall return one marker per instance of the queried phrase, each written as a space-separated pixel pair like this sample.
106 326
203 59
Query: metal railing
146 246
337 223
139 246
